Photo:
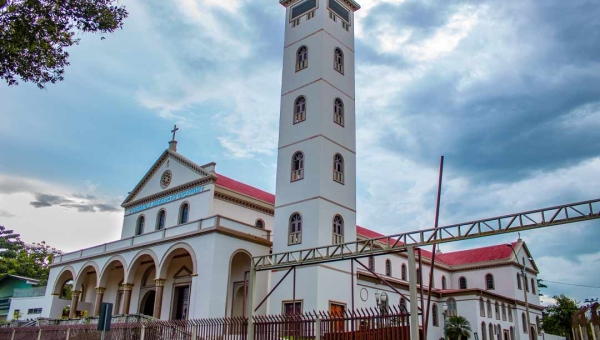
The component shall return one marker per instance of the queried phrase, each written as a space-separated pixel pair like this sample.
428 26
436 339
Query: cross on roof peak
174 131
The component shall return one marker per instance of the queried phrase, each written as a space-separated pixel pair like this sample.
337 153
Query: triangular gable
183 272
183 171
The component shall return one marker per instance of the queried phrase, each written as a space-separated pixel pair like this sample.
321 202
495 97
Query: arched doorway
140 274
177 270
147 304
238 283
86 283
112 278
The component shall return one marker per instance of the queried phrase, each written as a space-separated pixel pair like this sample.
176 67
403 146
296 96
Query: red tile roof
244 189
491 253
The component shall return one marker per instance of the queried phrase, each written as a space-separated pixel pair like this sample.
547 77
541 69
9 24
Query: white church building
189 233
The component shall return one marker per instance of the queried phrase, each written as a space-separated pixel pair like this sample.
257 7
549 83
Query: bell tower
316 163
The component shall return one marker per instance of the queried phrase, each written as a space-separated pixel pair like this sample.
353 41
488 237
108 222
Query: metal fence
364 324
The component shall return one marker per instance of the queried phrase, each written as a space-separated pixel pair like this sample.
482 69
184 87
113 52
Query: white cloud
64 228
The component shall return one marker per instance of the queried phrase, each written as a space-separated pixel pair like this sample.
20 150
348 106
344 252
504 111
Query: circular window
364 294
165 179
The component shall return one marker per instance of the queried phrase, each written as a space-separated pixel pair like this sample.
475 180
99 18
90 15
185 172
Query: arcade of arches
158 288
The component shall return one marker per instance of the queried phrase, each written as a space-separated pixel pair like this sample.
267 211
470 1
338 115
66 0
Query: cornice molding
242 202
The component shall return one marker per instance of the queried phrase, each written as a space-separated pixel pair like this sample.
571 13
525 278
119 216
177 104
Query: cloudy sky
508 91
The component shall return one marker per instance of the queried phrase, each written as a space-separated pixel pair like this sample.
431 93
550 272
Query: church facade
189 233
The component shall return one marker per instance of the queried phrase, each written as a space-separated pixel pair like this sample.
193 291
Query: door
337 311
181 302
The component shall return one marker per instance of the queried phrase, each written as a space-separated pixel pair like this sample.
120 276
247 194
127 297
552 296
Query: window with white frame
338 229
298 166
161 219
434 315
403 272
483 331
371 264
338 168
451 303
532 286
497 310
524 322
489 308
139 228
184 213
388 267
259 224
338 111
503 311
300 109
519 285
489 281
444 284
491 328
338 60
295 229
481 307
510 314
301 58
462 282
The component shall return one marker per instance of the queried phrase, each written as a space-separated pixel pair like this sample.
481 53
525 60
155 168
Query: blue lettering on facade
165 200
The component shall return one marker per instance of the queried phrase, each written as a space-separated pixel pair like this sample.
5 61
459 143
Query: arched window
526 283
519 281
497 310
462 282
489 308
503 311
184 213
434 315
295 229
444 285
491 328
297 166
510 314
524 322
139 226
338 168
300 109
371 263
338 229
537 324
512 333
403 272
451 303
338 60
338 111
388 267
418 276
532 286
302 58
498 332
483 331
259 224
489 281
481 307
161 219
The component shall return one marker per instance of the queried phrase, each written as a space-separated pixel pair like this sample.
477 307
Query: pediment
183 272
180 171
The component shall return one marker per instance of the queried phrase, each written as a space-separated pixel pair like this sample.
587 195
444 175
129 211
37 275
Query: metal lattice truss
547 217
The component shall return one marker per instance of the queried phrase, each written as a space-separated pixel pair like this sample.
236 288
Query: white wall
24 304
240 213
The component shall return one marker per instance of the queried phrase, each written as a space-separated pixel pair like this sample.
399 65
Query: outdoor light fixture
382 301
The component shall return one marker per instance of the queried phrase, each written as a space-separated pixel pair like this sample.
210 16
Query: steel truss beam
547 217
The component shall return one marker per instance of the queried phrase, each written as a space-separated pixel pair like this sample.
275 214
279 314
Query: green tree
35 33
541 285
557 317
457 327
29 260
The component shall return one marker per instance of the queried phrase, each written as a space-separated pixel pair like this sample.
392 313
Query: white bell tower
316 163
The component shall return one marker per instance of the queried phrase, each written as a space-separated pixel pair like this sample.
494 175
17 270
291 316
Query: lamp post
523 275
445 308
